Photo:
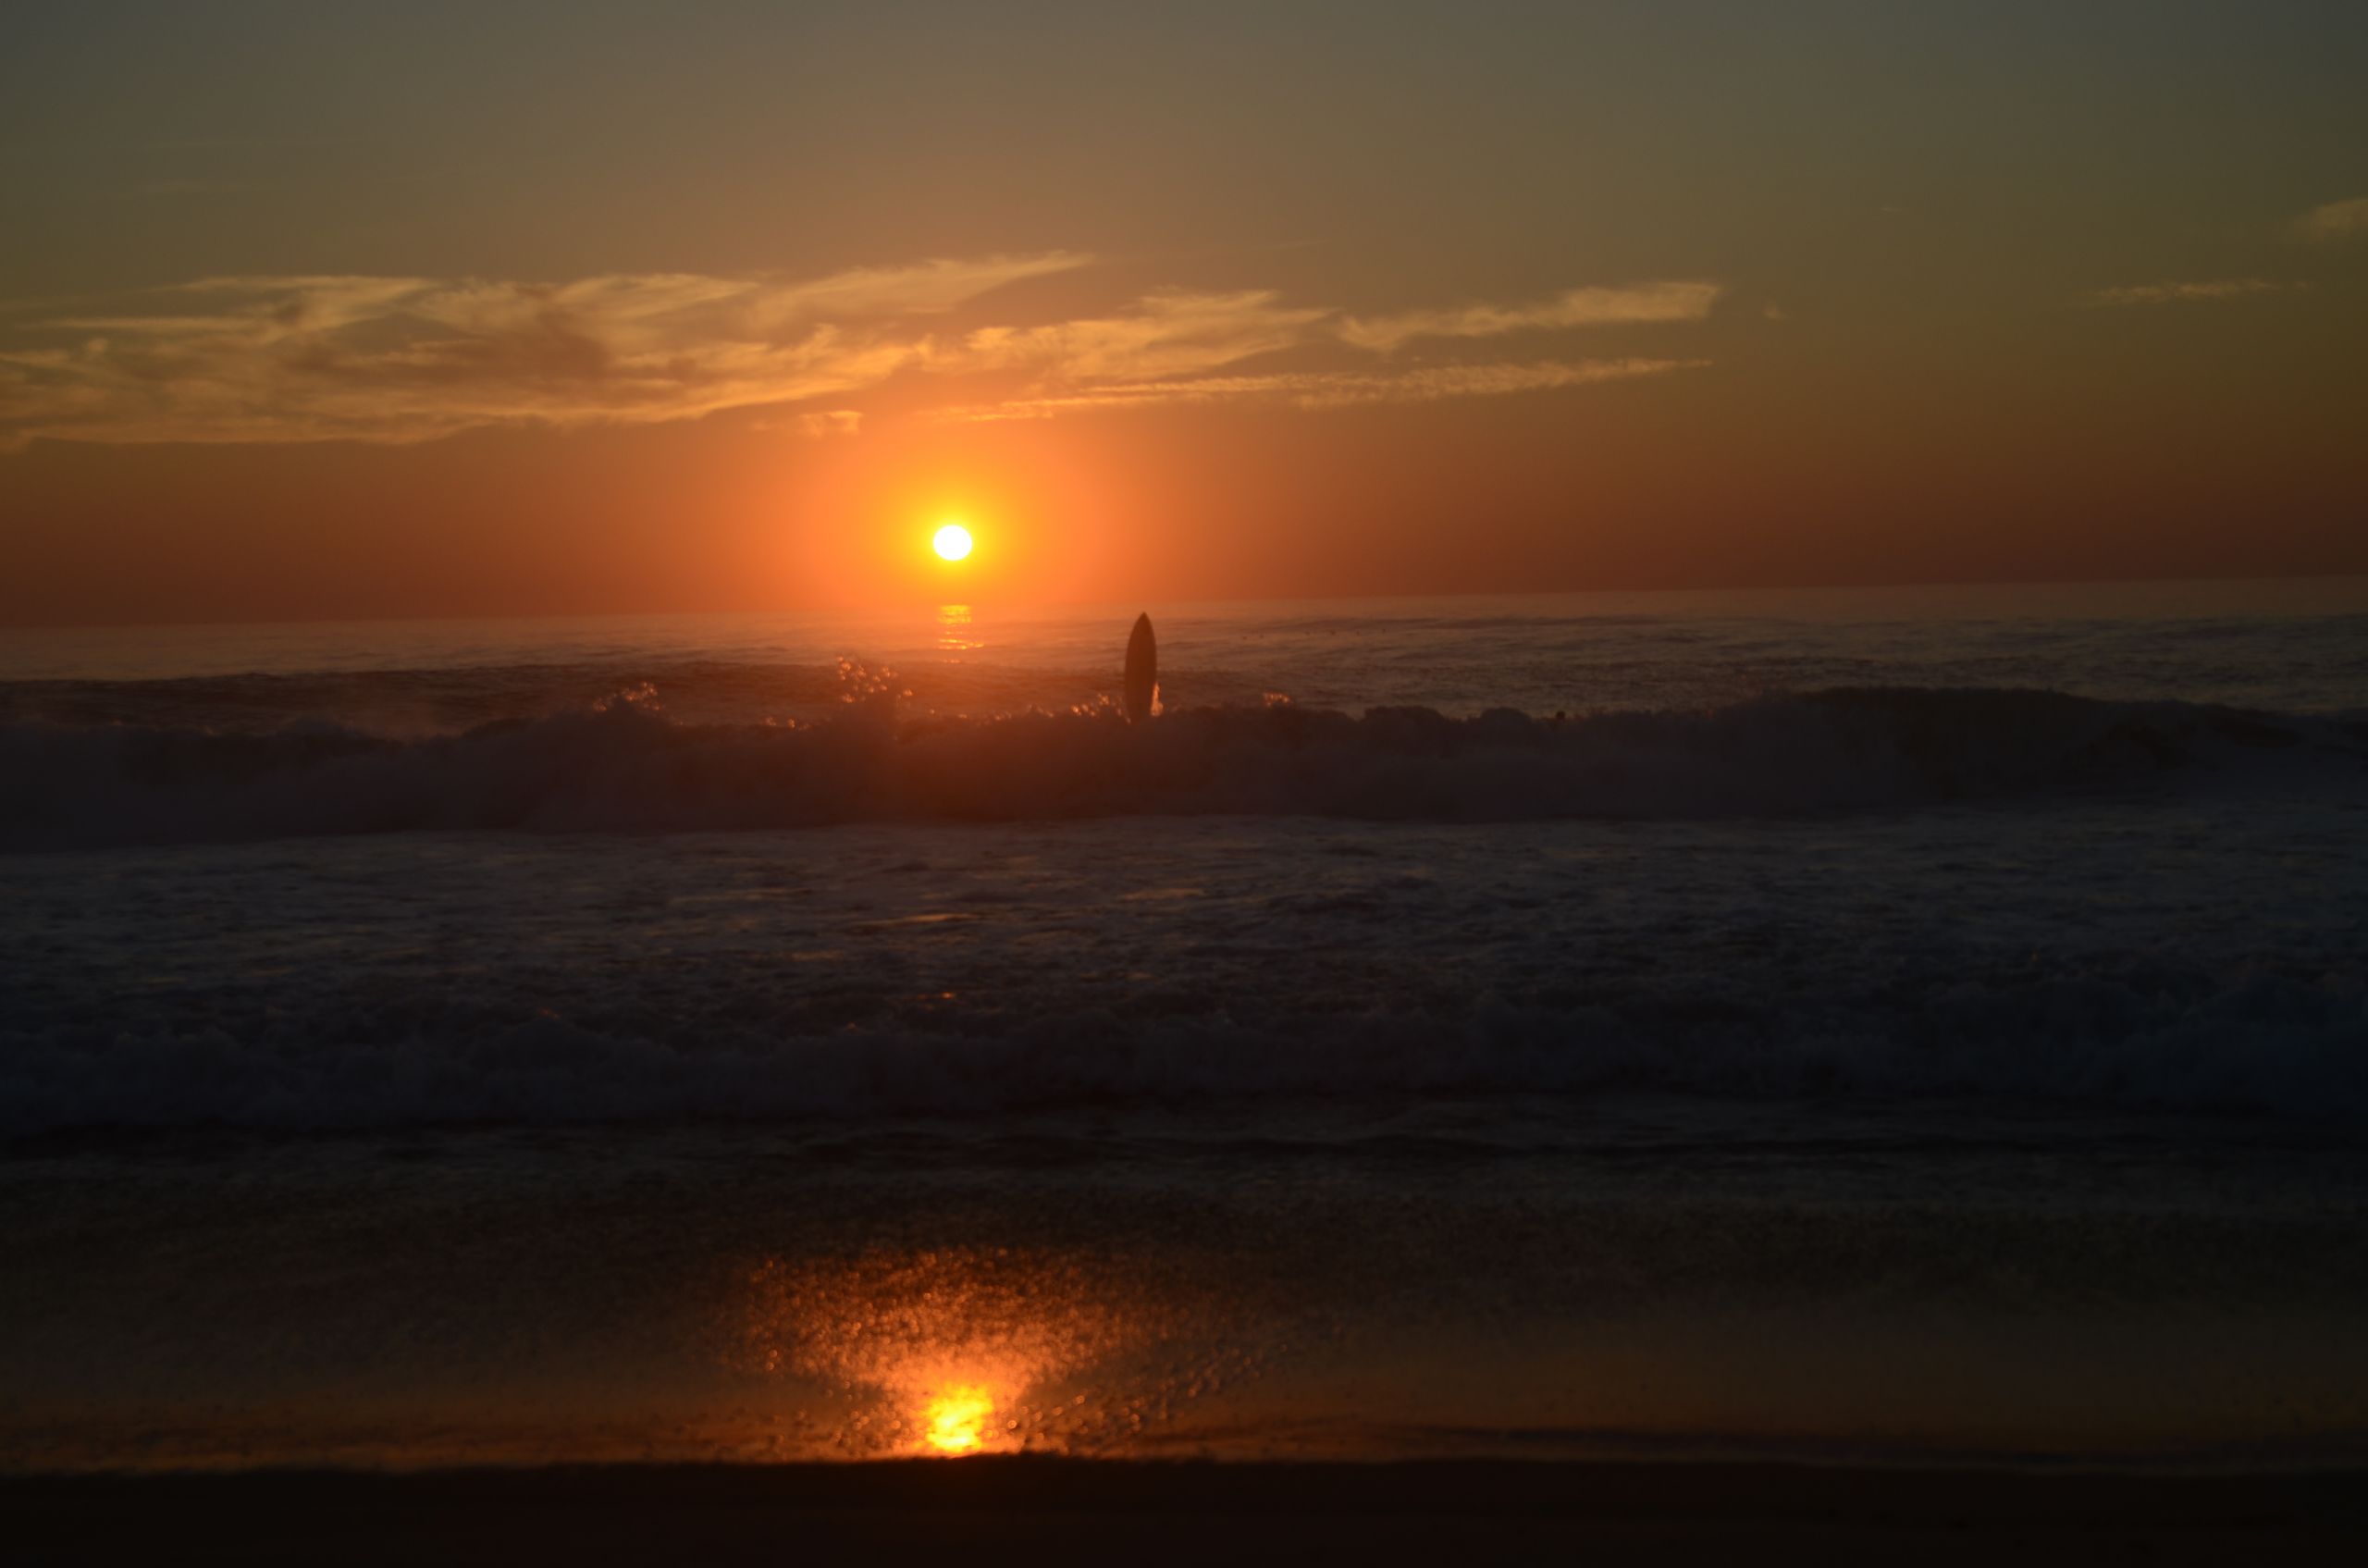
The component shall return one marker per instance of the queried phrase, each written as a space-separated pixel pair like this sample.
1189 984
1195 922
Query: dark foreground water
1872 1030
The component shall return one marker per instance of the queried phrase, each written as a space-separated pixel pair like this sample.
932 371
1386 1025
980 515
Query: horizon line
1083 603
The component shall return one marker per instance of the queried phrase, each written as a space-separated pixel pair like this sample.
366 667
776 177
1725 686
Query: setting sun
952 541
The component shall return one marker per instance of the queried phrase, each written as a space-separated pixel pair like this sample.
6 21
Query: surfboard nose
1142 669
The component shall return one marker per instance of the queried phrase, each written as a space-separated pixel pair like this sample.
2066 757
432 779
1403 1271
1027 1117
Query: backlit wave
624 765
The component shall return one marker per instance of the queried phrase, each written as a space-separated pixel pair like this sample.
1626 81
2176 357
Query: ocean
1901 1025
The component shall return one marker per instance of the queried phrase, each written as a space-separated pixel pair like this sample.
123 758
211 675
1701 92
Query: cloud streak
1166 334
1575 307
2188 293
2335 220
404 359
1328 390
396 360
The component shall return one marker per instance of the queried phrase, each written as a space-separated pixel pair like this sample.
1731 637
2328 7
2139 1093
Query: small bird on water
1143 670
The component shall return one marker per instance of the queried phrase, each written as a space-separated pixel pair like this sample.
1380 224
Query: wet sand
1137 1511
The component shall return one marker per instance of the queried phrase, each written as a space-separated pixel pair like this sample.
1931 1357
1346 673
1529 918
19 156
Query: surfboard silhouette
1143 670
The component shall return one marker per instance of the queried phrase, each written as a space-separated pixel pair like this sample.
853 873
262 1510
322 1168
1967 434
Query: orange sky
331 317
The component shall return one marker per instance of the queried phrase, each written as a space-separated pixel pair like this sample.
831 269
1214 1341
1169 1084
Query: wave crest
624 765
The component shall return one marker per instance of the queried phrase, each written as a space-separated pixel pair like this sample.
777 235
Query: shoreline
1168 1510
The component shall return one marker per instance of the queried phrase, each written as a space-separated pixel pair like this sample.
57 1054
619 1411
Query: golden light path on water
955 629
954 1421
956 1351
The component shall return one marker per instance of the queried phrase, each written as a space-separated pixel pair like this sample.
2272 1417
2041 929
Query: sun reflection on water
955 629
952 1421
954 1351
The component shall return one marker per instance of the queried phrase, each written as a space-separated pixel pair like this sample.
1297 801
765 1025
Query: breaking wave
622 764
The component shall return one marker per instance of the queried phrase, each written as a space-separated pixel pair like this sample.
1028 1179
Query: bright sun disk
952 541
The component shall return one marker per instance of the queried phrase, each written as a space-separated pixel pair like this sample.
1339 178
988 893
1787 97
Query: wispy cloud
2335 220
1575 307
1321 389
1166 334
399 360
2188 293
407 359
926 288
830 421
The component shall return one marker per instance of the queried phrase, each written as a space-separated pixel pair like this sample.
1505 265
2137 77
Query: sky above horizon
436 309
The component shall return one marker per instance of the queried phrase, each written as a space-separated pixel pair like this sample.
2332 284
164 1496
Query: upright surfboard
1143 670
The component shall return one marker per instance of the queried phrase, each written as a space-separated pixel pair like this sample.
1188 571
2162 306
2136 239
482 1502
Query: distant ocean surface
1605 706
2298 645
1605 975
